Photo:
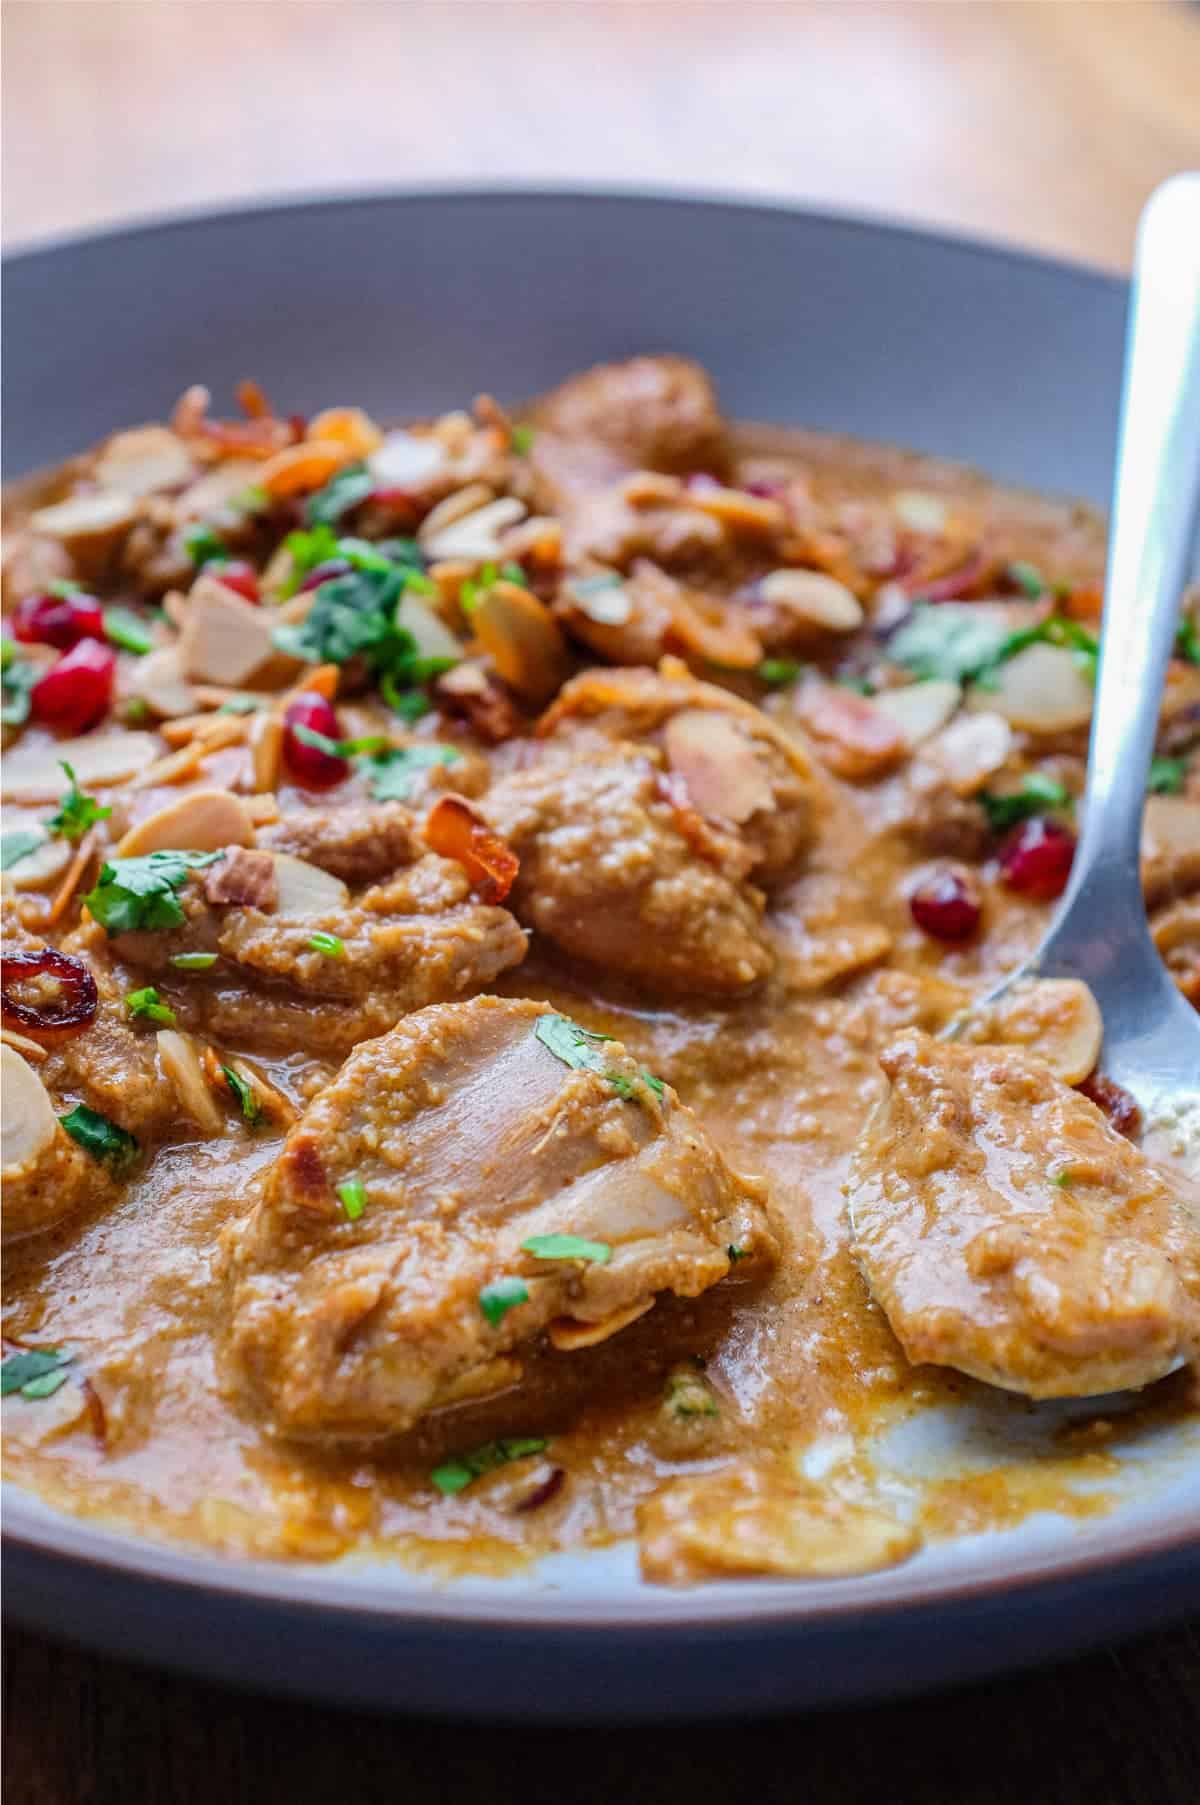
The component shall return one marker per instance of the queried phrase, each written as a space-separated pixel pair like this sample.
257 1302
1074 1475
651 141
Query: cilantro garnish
580 1049
241 705
35 1372
687 1394
568 1247
351 615
411 705
948 639
1187 641
862 686
353 1195
777 671
502 1295
737 1253
1027 577
342 492
17 846
455 1475
332 945
16 680
245 1093
1166 776
392 774
472 589
107 1143
203 545
1064 1178
149 1004
252 500
309 736
142 892
76 810
1036 792
521 440
1056 631
123 628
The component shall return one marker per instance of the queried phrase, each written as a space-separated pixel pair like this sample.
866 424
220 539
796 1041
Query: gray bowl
412 303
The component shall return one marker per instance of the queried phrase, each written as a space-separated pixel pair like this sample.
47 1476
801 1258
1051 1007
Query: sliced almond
475 535
968 752
1058 1019
34 773
724 776
404 461
89 526
305 889
737 509
218 488
602 598
434 638
180 1060
40 867
201 821
21 1043
523 640
920 709
225 638
1040 690
920 511
266 750
569 1335
28 1123
159 682
814 599
144 461
454 507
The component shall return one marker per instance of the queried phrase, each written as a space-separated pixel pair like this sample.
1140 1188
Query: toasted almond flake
609 604
433 637
1058 1019
300 467
735 508
724 777
47 860
175 607
537 539
274 1105
725 641
453 508
266 750
88 525
651 489
920 709
159 682
224 639
475 535
816 600
172 769
568 1335
305 889
207 726
34 773
522 639
405 461
201 821
350 427
1040 690
28 1123
920 511
20 1043
967 753
854 738
73 878
180 1060
217 488
144 461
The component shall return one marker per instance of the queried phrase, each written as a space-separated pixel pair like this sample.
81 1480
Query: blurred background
1044 122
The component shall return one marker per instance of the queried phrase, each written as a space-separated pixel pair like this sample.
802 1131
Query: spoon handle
1156 501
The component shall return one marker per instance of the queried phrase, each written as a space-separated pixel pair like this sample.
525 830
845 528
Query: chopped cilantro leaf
736 1254
1035 793
411 705
1027 577
392 774
245 1094
777 671
149 1004
352 615
76 810
1063 1178
17 846
496 1299
371 742
203 545
512 573
194 961
353 1195
141 893
111 1145
65 588
241 705
1187 641
1166 776
521 440
1056 631
123 628
568 1247
687 1395
135 711
252 500
19 677
341 493
582 1050
947 639
455 1475
332 945
35 1372
862 686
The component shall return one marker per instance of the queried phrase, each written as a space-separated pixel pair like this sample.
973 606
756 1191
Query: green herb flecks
148 1005
568 1247
862 686
392 775
410 705
1064 1178
583 1050
35 1372
17 846
473 589
244 1094
521 440
951 640
193 961
1028 578
341 493
1056 631
107 1143
142 893
370 742
456 1475
502 1295
1166 776
241 705
203 545
1036 793
736 1253
16 682
687 1396
65 588
124 629
331 945
779 671
353 1196
252 500
77 811
1187 641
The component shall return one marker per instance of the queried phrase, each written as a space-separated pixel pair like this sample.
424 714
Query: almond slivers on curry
482 904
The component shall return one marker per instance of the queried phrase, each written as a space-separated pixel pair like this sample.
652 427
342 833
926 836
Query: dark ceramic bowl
412 302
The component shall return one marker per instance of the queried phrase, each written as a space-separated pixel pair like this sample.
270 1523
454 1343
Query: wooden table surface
1043 123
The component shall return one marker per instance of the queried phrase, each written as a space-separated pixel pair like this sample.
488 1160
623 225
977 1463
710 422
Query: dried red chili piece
65 999
456 831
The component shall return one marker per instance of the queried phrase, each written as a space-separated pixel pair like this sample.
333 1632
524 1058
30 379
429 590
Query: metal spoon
1100 933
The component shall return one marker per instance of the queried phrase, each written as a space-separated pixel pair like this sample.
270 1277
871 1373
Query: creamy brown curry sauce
758 752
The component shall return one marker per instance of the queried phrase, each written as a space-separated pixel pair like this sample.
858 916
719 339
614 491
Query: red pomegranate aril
58 620
77 691
239 575
322 573
946 906
309 765
1036 859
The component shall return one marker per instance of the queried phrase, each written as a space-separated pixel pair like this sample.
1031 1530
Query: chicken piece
736 766
388 1269
1007 1230
361 842
610 871
648 615
1170 849
47 1177
649 413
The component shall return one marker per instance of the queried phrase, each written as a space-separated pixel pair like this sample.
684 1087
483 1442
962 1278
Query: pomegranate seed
58 620
309 764
1036 859
77 691
238 574
1121 1109
321 573
946 905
